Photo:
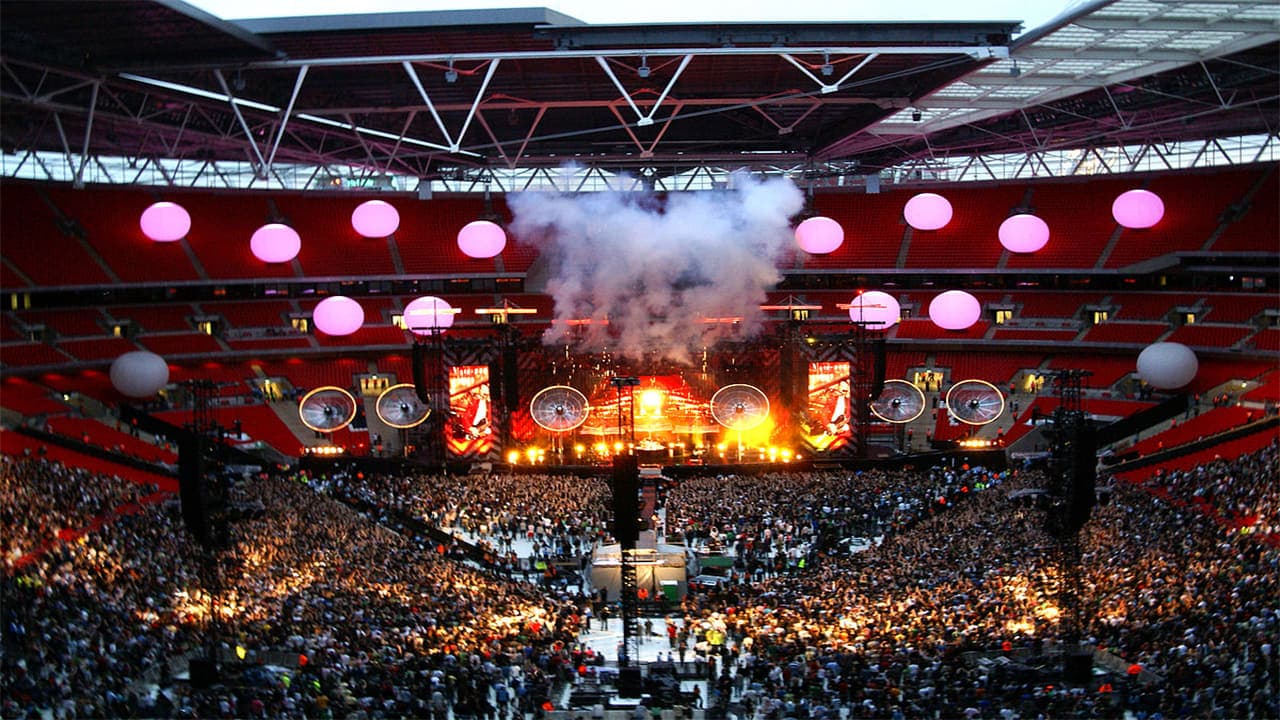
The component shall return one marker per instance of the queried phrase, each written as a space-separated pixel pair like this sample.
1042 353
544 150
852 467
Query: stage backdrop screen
828 406
469 433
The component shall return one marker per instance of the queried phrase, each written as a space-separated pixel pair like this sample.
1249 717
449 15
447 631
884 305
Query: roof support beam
284 117
431 107
977 52
827 88
248 134
88 135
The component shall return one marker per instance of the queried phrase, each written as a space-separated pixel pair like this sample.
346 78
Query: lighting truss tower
865 381
432 387
1072 476
626 509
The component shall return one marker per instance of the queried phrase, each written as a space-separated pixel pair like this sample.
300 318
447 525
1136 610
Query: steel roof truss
512 161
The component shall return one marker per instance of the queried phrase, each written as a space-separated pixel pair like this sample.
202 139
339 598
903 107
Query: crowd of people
44 498
359 619
319 610
1240 491
1189 608
778 523
555 516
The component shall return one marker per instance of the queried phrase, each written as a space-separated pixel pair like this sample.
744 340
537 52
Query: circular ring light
900 402
739 407
327 409
399 407
975 402
559 408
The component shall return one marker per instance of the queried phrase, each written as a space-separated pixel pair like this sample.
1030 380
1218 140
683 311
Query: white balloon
1167 365
139 374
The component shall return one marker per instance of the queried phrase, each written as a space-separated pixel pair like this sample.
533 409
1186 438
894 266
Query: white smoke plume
656 268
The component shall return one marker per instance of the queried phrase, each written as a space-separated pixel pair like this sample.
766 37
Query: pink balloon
1023 233
165 222
877 309
927 211
1137 209
338 315
375 219
955 310
819 235
275 243
481 239
426 315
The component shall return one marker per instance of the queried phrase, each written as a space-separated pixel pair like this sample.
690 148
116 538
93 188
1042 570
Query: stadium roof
458 94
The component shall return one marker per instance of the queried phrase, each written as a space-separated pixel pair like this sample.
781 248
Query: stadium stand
1193 212
1076 239
971 238
1053 304
106 348
428 237
109 218
1254 230
1214 336
1237 307
1198 427
1267 340
1107 370
221 227
873 230
251 314
924 329
155 318
171 345
1115 331
328 239
37 234
997 369
1034 335
67 323
31 354
28 397
1146 306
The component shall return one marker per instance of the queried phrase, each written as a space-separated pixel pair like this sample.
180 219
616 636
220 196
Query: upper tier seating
33 233
971 239
1267 339
996 368
109 217
156 318
1238 307
1255 229
873 229
330 246
221 226
1054 304
1114 331
87 322
1193 206
1146 306
1078 213
1215 336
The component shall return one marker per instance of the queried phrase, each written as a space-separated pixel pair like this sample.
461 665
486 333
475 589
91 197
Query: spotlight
644 70
451 75
827 68
1015 71
916 115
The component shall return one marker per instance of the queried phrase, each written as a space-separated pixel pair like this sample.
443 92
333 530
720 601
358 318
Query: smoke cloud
655 269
